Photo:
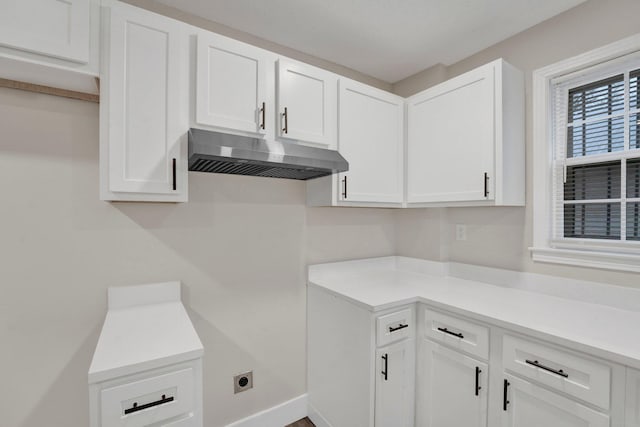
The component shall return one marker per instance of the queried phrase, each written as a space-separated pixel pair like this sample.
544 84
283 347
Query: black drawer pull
478 388
505 390
385 357
545 368
455 334
397 328
136 407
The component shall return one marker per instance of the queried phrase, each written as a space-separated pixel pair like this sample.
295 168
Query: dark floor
305 422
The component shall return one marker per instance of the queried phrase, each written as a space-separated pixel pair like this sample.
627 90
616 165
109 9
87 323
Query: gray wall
500 237
240 247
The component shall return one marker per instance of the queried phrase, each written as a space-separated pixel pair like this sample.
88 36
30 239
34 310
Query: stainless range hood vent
217 152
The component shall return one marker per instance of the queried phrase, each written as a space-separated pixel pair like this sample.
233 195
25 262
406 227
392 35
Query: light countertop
384 283
141 337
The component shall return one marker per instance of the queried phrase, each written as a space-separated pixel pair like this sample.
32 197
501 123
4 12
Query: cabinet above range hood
217 152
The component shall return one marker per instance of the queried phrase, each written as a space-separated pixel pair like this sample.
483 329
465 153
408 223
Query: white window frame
606 255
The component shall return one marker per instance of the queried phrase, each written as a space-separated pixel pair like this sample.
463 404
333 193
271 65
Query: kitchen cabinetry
363 358
371 138
633 398
469 371
395 385
306 98
232 79
147 366
50 42
466 140
144 107
452 388
528 405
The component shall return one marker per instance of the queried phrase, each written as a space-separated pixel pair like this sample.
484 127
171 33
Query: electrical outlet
461 232
242 382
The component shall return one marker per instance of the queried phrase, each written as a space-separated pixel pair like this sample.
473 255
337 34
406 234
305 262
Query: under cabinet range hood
218 152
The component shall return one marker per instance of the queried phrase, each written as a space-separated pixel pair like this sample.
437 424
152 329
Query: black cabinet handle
136 407
285 117
546 368
455 334
478 388
486 184
175 183
344 187
262 111
385 357
397 328
505 402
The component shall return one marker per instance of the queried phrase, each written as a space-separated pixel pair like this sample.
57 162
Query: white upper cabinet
371 139
144 108
51 42
232 86
48 27
466 140
306 98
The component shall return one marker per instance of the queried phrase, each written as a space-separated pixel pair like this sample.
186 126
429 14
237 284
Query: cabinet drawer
570 373
460 334
150 400
395 326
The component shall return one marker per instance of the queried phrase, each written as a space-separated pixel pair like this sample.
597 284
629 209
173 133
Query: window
597 160
587 159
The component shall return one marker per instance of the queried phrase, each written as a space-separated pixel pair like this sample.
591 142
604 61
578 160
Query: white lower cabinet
452 388
395 385
633 398
385 369
528 405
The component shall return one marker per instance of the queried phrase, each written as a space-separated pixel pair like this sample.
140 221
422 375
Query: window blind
596 170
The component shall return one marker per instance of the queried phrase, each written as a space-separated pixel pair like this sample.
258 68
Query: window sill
592 259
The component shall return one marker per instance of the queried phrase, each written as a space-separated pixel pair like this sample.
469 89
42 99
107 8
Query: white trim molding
280 415
542 249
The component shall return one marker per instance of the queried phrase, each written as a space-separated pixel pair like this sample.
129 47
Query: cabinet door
532 406
394 385
49 27
231 85
633 398
452 388
451 140
370 137
306 103
145 113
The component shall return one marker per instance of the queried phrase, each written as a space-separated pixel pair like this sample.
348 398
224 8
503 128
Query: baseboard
316 418
278 416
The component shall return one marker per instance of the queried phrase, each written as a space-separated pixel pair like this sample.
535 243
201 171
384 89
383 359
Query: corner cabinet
466 140
366 359
234 84
144 110
371 138
306 103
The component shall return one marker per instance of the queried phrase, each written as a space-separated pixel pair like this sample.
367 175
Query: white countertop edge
111 374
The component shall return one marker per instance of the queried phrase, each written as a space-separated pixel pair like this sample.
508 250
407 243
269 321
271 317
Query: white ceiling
387 39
